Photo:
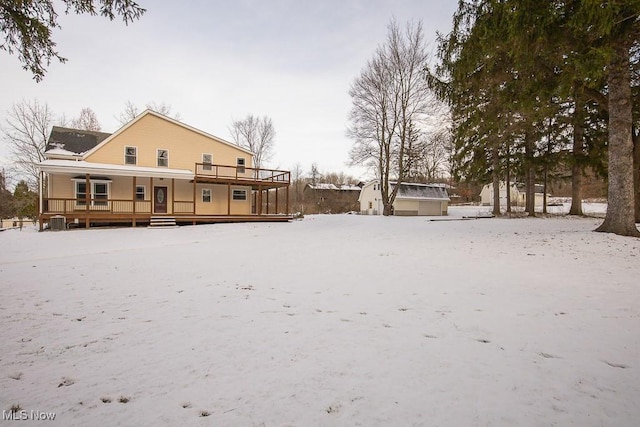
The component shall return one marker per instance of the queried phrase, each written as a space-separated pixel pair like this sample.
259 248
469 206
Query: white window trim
125 154
144 192
207 166
92 194
210 195
233 191
158 158
241 167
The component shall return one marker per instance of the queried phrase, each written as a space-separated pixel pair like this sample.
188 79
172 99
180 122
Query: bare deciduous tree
390 99
131 111
26 131
428 159
86 121
257 135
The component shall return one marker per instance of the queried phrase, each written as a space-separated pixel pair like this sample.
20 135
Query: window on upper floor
207 161
163 158
241 163
130 155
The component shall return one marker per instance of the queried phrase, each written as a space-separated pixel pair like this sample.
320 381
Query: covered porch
87 194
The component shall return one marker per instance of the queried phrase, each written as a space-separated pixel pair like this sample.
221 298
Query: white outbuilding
413 199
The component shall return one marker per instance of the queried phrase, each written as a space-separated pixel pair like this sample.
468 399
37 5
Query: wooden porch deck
104 210
91 218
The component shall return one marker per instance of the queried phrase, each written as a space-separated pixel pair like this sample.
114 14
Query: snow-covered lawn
332 320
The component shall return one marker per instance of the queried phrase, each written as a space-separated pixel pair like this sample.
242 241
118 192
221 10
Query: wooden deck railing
241 173
114 206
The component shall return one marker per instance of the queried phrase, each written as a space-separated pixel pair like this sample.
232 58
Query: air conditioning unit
57 223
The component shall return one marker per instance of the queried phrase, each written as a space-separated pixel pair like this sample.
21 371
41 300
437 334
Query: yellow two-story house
155 170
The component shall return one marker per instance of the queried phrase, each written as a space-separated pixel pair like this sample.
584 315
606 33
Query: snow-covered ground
331 320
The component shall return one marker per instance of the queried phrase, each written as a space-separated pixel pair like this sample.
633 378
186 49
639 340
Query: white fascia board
82 167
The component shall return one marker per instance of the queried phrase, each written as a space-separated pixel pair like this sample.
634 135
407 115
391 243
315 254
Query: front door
159 199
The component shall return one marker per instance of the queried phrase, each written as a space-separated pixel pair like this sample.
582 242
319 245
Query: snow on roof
421 191
322 186
59 151
327 186
76 141
347 187
71 166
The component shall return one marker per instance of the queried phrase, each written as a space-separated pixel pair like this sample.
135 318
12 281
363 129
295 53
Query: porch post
153 195
287 211
87 199
194 196
133 222
276 212
254 200
259 210
173 196
228 198
40 208
267 201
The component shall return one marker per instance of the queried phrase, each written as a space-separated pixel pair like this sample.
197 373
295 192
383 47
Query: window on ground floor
239 195
81 193
99 192
141 192
206 195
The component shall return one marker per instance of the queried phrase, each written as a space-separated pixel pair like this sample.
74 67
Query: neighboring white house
517 194
412 199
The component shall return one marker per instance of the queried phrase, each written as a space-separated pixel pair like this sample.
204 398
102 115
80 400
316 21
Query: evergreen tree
25 201
6 199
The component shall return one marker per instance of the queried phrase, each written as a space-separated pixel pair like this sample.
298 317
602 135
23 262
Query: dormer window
130 155
163 158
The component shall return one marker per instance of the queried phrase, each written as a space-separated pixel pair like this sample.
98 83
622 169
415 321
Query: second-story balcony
255 177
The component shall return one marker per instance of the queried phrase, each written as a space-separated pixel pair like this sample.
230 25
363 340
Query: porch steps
162 222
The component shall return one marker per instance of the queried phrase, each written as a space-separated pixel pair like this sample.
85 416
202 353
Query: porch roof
82 167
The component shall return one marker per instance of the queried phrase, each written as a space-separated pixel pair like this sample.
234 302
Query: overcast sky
215 61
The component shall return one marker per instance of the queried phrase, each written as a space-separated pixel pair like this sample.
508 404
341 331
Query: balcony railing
240 173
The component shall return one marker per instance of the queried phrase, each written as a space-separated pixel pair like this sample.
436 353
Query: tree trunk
508 179
620 217
578 153
544 191
530 176
496 181
636 171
